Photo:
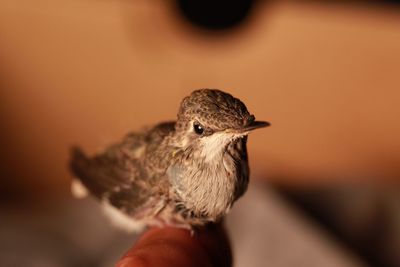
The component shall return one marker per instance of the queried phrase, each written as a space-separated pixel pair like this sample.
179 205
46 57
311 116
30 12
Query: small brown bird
183 173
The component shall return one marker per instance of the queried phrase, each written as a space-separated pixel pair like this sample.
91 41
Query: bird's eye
198 128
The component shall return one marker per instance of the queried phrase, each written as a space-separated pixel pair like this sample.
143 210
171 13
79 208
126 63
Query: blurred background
326 74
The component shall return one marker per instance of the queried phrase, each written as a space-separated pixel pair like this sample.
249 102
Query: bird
185 173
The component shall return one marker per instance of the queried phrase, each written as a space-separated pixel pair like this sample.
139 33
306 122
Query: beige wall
86 72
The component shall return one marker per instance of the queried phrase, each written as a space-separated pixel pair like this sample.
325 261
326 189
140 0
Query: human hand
166 247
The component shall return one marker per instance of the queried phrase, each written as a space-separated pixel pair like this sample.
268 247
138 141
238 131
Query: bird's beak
255 125
252 126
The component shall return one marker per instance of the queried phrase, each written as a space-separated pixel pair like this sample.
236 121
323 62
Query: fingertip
133 261
177 247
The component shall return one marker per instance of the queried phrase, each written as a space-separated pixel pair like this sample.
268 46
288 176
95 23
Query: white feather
78 190
121 220
214 145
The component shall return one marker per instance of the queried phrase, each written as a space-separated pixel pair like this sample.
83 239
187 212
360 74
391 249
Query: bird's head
209 120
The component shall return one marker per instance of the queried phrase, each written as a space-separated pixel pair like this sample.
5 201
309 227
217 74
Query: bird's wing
238 152
118 176
115 176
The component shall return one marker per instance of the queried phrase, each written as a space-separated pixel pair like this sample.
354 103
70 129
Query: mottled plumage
185 173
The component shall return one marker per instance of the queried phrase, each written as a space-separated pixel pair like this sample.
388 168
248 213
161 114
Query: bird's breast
205 188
